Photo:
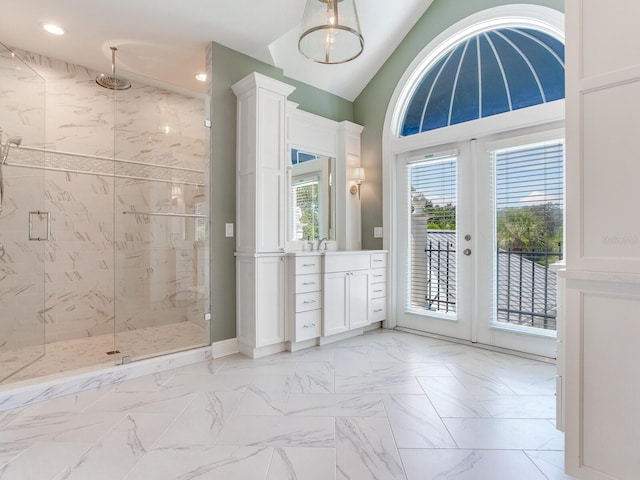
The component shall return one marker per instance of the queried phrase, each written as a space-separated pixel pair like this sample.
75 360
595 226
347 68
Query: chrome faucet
320 242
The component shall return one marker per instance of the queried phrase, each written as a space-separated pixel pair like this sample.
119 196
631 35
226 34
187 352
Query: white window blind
529 202
305 208
432 193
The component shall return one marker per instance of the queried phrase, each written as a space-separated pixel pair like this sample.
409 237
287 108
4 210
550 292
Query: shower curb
21 394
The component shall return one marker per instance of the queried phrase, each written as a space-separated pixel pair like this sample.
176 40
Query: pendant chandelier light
330 31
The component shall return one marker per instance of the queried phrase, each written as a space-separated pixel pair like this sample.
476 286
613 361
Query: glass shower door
24 225
161 223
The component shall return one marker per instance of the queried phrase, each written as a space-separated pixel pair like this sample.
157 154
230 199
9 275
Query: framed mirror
311 197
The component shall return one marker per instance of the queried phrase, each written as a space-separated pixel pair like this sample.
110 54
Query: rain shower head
113 82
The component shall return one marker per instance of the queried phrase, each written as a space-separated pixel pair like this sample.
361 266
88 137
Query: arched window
488 73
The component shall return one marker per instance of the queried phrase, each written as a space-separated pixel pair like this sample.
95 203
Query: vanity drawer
308 301
310 264
379 275
378 260
346 263
377 290
378 309
308 283
308 325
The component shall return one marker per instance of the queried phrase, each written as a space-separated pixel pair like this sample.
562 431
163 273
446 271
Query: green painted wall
371 105
229 66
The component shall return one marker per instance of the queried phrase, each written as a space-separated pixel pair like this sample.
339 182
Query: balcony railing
525 286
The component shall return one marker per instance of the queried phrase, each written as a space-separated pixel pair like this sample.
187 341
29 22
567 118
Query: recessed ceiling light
201 77
53 29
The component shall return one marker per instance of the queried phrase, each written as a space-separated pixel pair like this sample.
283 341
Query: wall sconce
358 178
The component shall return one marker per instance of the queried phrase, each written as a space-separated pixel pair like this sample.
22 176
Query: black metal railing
526 287
441 276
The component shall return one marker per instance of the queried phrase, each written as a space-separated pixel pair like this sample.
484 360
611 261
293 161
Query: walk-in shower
104 231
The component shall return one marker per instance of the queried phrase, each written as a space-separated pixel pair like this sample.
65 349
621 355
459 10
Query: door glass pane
432 191
161 222
24 223
529 189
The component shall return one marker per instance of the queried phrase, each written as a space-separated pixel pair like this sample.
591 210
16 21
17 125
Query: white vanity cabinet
345 292
260 280
304 303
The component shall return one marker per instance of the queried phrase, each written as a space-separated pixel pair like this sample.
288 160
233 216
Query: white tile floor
385 405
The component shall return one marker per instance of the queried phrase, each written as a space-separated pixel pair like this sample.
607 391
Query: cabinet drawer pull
377 276
308 302
378 310
375 260
308 264
378 291
309 326
308 283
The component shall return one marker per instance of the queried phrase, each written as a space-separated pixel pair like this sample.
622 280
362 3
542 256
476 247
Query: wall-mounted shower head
113 82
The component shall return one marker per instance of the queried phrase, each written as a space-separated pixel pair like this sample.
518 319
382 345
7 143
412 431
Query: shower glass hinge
207 123
125 359
207 317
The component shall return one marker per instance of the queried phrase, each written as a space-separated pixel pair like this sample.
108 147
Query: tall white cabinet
273 311
602 373
260 214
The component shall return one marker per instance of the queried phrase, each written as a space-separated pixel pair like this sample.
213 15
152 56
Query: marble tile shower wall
146 154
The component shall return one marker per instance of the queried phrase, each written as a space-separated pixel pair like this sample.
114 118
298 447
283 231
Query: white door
479 241
336 308
358 299
435 267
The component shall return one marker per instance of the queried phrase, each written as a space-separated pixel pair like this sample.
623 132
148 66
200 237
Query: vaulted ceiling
166 40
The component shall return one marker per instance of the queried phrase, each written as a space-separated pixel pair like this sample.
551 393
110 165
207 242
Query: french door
480 223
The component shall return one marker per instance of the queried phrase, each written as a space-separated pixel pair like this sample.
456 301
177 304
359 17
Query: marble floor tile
385 405
420 369
374 384
272 431
266 395
171 401
11 450
120 449
415 423
502 433
197 381
451 398
44 461
203 463
551 463
365 449
335 405
313 377
481 381
522 406
469 465
202 421
302 463
60 427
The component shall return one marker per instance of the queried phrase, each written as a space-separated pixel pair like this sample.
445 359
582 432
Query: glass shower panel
24 223
161 223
